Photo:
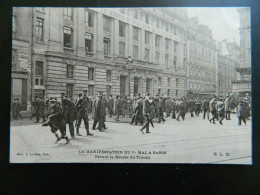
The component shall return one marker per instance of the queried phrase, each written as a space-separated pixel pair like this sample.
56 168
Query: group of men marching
142 110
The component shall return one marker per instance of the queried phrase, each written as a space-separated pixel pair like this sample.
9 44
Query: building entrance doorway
122 85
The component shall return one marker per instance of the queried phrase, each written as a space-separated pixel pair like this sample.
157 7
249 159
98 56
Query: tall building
66 50
228 61
202 60
242 85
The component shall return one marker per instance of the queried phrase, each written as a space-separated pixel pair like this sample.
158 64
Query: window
147 37
39 29
109 75
89 42
41 82
157 41
167 41
14 59
176 93
69 71
135 14
166 60
135 52
39 68
157 57
107 24
89 18
177 82
69 89
14 26
174 61
168 92
169 82
90 73
146 18
67 37
135 34
160 80
122 49
36 81
67 13
175 46
40 9
121 29
91 90
159 92
146 56
106 46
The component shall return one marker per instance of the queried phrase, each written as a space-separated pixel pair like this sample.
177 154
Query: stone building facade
202 60
66 50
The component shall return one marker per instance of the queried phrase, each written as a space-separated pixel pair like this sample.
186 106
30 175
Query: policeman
82 109
56 121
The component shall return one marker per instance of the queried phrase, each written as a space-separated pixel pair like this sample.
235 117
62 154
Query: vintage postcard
131 85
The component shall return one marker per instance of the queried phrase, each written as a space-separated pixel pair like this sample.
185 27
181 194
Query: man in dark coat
110 106
37 107
146 113
56 121
156 102
160 111
205 107
42 109
173 109
69 113
82 109
181 109
191 107
197 107
33 108
99 112
241 112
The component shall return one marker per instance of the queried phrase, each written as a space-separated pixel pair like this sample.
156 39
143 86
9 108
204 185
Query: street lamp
129 68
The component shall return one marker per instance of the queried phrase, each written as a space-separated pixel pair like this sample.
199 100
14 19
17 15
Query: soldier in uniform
227 107
146 113
205 107
56 121
191 107
82 109
69 113
110 106
212 108
220 109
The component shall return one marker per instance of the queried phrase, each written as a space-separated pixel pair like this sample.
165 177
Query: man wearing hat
212 108
205 107
160 111
241 112
110 106
146 113
82 109
56 121
191 107
99 113
220 109
69 113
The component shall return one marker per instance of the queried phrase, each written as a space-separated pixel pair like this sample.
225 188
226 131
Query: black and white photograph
131 85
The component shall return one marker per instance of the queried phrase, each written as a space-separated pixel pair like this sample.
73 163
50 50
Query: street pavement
193 140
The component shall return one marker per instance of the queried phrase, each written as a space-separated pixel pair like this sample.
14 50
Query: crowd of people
143 111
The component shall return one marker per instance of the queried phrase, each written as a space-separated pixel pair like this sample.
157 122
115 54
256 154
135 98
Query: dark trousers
205 111
240 119
83 117
191 114
110 112
214 116
221 116
62 129
146 124
160 116
173 114
71 128
182 114
227 115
